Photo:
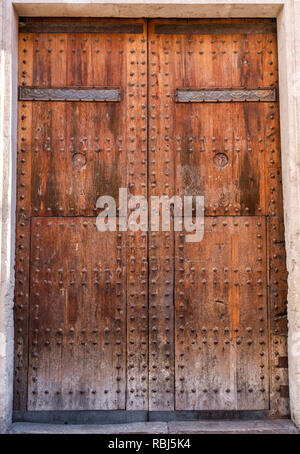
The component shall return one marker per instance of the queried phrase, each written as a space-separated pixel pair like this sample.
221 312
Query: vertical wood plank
77 316
80 151
161 243
137 256
23 212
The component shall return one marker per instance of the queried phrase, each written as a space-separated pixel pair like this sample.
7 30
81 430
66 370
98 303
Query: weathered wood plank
161 243
135 149
77 316
220 340
199 335
81 318
214 28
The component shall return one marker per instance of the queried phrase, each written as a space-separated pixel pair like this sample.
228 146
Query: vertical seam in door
268 302
148 236
28 304
174 309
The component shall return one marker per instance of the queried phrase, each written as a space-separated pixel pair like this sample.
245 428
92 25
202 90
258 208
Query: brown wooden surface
224 151
279 401
211 334
137 250
77 316
221 316
222 159
75 152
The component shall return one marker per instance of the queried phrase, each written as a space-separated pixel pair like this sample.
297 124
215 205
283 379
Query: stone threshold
275 426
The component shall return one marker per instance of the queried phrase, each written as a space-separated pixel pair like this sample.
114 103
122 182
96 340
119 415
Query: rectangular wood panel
221 316
70 153
136 134
161 244
72 163
77 316
225 160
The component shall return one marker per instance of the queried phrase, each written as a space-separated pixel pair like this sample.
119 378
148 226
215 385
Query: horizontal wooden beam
80 27
215 28
225 95
101 94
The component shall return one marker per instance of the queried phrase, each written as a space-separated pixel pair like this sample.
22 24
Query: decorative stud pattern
161 244
21 307
221 313
222 160
219 354
248 144
137 254
77 316
78 164
277 296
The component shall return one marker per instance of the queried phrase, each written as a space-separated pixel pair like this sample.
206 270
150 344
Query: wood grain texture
77 316
221 316
225 159
21 303
277 297
143 320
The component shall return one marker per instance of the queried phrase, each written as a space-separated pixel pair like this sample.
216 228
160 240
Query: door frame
286 13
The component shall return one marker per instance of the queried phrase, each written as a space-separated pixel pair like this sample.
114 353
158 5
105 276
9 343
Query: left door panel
81 295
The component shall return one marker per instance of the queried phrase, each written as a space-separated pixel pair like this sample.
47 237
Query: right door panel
214 132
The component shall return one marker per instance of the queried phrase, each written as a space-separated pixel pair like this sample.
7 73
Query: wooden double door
144 320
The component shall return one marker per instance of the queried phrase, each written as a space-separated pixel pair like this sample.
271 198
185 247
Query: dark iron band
80 27
70 94
226 95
